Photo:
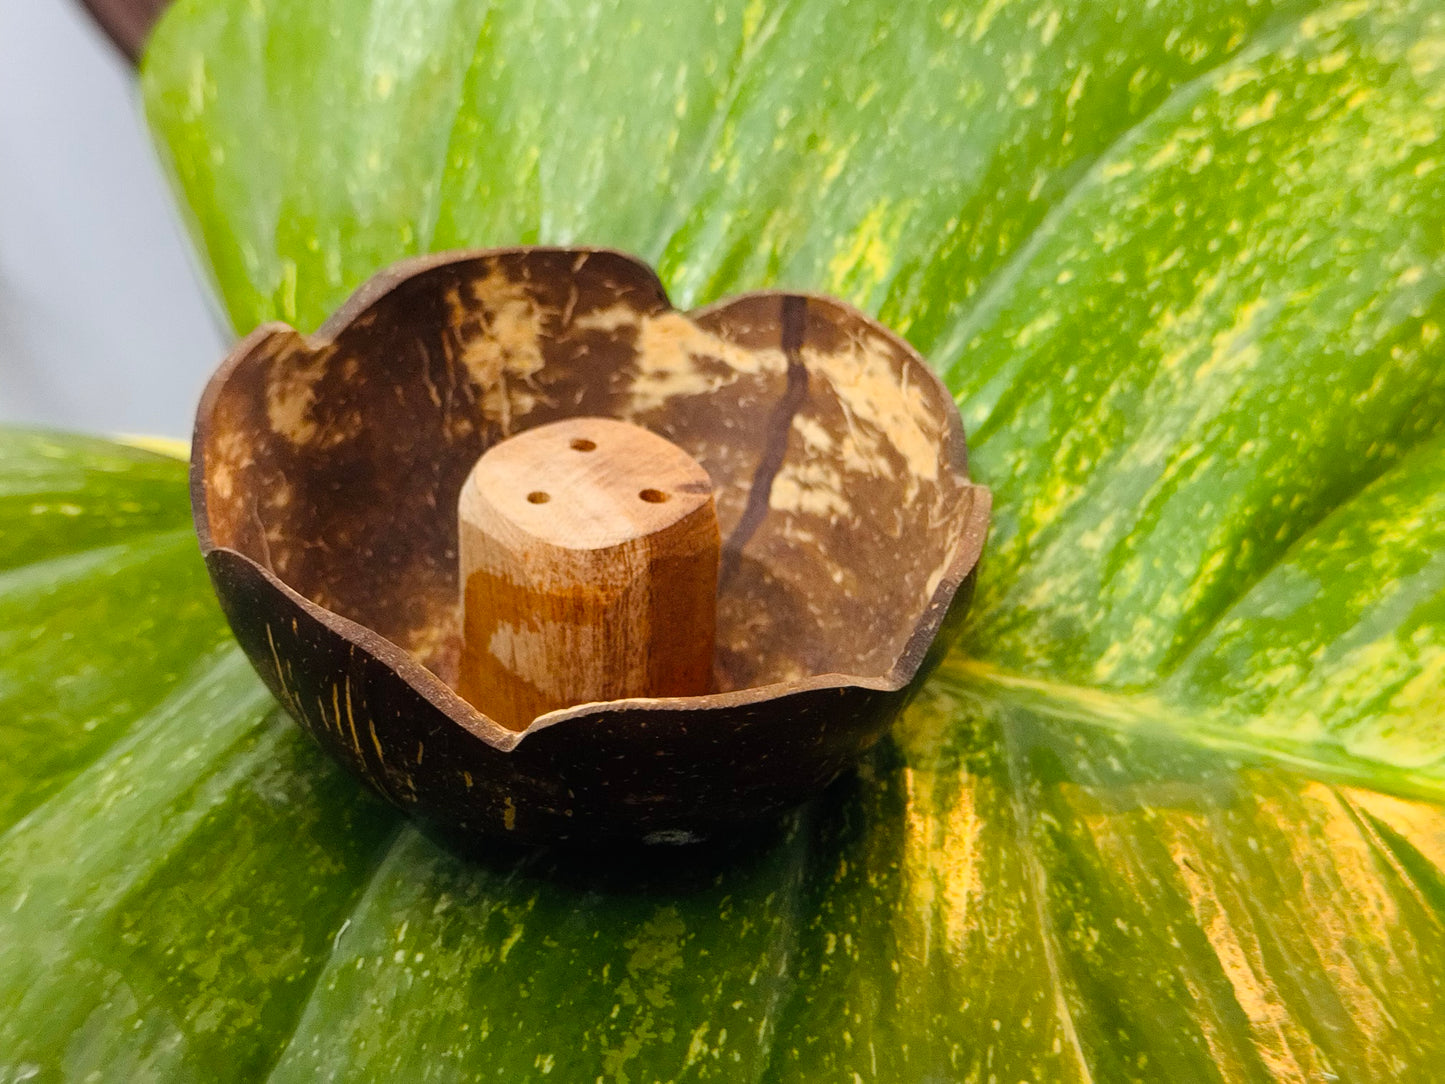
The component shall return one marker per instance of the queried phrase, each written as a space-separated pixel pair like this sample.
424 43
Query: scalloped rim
439 693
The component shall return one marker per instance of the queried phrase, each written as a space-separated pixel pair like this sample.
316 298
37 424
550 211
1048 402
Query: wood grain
588 565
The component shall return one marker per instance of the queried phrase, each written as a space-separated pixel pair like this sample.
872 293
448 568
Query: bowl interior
837 458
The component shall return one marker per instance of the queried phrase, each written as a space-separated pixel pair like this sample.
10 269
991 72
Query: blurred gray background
105 324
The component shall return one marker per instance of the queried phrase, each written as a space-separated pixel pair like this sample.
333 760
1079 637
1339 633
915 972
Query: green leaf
1177 809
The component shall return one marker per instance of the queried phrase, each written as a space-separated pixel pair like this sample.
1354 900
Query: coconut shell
325 474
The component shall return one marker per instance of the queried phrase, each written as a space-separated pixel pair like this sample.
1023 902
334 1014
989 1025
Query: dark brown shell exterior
325 473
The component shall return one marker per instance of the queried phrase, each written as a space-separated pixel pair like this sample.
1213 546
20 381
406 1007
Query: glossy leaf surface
1172 813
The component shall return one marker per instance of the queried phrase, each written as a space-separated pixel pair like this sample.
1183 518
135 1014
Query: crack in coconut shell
325 476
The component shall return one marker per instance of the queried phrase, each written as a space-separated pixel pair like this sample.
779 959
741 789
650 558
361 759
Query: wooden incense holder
327 480
589 559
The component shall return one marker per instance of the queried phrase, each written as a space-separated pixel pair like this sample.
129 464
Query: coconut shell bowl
661 630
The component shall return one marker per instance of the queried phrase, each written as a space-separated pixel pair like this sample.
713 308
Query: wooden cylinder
588 554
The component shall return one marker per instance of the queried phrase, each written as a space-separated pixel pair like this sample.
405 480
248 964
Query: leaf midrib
1143 712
